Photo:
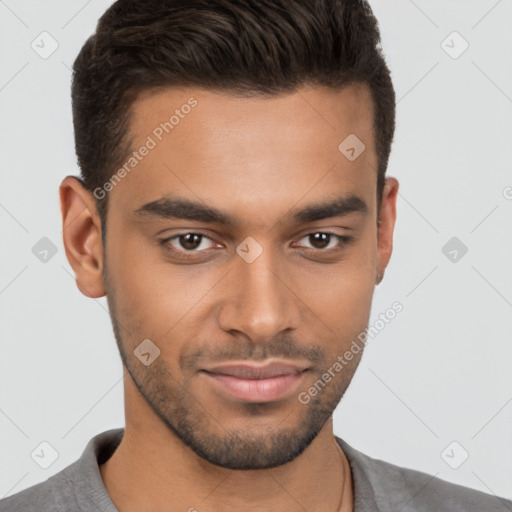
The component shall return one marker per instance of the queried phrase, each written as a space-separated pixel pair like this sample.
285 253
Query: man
234 209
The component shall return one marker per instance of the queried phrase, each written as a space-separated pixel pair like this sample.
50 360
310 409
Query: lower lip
256 390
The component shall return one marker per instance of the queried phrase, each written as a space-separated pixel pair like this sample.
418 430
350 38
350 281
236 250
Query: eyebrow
169 207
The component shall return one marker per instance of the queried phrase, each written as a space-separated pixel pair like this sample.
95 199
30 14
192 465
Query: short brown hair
244 47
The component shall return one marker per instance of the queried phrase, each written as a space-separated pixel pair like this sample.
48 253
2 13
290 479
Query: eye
323 240
188 242
195 243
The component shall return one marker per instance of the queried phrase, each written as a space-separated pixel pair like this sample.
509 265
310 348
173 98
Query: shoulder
391 487
39 497
77 487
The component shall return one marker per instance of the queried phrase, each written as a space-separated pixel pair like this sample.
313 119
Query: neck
158 472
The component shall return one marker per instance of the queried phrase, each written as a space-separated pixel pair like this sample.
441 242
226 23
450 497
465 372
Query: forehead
220 148
218 115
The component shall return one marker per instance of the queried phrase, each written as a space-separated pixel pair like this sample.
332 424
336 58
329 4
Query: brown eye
187 242
320 240
325 240
190 241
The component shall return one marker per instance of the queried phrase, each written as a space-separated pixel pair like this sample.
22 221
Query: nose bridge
258 302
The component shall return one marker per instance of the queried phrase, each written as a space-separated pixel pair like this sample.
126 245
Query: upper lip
245 370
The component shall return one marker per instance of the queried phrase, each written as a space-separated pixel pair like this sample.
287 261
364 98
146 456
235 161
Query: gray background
438 373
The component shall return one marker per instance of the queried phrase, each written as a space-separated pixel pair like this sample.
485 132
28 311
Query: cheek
341 294
153 296
136 280
343 303
340 297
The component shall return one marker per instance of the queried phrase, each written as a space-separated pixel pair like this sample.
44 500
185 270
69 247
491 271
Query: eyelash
342 239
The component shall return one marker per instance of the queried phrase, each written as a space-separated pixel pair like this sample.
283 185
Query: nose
259 299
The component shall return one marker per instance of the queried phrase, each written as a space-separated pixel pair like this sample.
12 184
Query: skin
256 159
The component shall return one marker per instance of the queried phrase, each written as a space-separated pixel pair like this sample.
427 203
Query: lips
250 371
251 382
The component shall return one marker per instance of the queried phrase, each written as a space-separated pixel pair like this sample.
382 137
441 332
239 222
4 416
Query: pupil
190 241
320 240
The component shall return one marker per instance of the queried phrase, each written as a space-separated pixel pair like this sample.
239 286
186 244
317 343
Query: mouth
256 383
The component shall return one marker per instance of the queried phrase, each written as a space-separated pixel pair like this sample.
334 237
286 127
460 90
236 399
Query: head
233 206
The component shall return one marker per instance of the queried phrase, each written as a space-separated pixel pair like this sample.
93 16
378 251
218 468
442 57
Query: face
240 260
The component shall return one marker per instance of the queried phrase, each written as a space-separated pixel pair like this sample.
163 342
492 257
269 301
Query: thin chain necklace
345 480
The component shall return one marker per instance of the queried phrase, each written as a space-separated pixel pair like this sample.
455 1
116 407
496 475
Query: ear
81 232
387 218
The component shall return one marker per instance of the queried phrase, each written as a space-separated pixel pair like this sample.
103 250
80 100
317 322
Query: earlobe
386 226
81 232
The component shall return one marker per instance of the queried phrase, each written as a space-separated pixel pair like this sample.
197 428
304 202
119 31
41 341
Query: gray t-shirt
378 486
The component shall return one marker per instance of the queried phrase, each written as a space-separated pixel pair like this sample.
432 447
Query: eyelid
342 239
166 241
